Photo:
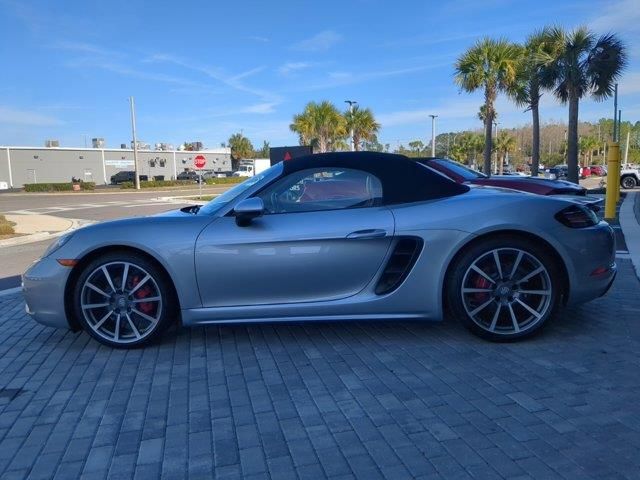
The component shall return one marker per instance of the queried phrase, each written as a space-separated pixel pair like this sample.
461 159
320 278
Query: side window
323 189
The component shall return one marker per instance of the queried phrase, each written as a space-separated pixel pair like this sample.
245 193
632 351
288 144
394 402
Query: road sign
199 161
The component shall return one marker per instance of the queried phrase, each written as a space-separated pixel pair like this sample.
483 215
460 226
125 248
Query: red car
463 174
598 170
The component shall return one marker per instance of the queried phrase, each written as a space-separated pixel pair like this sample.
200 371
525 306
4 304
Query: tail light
577 216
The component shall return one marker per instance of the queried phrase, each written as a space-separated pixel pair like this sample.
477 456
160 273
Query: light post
496 143
351 104
433 135
135 143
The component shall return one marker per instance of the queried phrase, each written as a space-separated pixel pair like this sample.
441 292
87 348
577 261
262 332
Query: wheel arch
564 274
74 324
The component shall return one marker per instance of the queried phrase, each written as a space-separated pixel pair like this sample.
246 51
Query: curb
184 199
41 236
631 229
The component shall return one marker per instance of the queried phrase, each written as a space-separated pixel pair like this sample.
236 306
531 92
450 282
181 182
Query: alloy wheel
507 291
628 182
121 302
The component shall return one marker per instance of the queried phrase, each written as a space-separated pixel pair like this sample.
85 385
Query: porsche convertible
336 236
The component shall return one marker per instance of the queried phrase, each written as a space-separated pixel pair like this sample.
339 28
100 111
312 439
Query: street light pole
135 143
433 135
351 104
496 125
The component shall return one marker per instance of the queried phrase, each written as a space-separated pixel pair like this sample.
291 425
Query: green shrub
223 180
57 187
158 183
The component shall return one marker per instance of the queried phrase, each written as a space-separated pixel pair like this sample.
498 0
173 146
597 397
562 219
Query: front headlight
59 242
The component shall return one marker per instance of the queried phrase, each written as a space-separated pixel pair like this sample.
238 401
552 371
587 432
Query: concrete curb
41 236
631 229
184 199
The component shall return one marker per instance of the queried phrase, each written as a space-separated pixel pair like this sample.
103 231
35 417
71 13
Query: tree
491 65
416 146
241 146
505 143
527 90
320 125
363 125
586 146
264 151
585 65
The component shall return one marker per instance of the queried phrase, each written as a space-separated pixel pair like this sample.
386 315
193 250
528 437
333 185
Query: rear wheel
504 288
123 300
628 182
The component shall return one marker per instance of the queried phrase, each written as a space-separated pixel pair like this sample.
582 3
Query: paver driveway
338 400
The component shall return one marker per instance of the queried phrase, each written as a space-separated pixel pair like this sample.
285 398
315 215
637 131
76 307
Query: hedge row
157 183
57 187
222 180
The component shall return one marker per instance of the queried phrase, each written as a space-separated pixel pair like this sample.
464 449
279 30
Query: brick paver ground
339 400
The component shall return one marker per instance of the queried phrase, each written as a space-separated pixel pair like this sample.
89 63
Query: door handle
366 234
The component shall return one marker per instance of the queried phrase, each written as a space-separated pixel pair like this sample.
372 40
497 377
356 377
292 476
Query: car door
323 236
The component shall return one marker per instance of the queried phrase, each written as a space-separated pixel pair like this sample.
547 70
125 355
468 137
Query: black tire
508 246
628 182
132 328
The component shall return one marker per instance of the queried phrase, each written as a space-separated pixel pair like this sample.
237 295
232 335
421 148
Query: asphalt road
83 206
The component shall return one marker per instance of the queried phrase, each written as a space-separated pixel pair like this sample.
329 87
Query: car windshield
221 200
459 169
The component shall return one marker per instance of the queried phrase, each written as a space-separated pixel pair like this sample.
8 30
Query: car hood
520 183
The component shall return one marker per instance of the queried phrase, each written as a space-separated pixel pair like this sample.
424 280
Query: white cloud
292 67
320 42
258 38
261 108
86 48
12 116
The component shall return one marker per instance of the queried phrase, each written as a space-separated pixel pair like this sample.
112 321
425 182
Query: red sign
199 161
287 156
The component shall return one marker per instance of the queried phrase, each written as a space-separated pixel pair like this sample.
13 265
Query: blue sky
202 70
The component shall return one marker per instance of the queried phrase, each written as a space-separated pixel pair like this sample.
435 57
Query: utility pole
351 106
135 143
615 113
433 135
495 144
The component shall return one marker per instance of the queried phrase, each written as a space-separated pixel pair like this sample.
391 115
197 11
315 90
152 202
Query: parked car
599 170
350 235
126 176
189 175
463 174
629 178
585 172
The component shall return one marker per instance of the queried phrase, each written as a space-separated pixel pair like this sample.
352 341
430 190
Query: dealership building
20 165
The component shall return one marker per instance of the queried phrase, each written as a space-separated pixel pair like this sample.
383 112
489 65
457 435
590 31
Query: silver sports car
358 236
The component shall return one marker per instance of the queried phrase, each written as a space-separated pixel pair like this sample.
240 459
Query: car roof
403 180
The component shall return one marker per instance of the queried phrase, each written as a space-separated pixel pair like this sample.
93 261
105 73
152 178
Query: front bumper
43 285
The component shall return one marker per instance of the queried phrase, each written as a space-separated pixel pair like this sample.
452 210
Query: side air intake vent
404 255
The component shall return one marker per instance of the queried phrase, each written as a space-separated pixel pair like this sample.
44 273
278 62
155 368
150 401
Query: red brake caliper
481 282
142 292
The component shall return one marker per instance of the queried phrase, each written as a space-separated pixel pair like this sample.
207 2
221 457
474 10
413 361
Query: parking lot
387 399
341 400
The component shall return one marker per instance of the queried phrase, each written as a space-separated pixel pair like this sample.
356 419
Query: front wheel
628 182
504 289
123 300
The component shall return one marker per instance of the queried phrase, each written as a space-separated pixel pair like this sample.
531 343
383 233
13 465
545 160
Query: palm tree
505 143
320 125
363 125
527 90
241 146
587 145
490 65
586 65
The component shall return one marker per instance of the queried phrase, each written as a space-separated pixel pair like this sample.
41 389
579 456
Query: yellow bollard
613 181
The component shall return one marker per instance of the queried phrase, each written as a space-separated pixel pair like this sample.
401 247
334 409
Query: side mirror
248 209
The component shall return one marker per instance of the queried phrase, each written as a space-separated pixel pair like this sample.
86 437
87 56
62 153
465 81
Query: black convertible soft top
403 180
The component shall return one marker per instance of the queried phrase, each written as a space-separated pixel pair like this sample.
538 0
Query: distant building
51 143
20 165
96 143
